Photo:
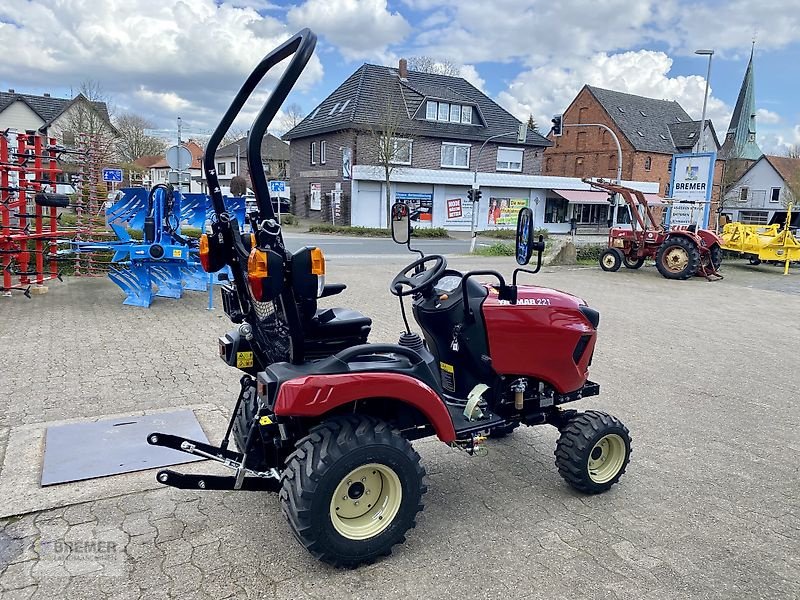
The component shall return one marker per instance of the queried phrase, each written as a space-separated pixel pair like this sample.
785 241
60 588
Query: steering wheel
418 282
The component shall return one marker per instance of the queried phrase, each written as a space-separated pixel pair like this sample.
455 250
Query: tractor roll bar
302 46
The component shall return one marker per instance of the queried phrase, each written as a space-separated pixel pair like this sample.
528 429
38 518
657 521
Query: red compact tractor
679 253
327 420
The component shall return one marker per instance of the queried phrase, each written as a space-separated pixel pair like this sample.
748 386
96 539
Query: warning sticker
177 253
448 376
244 360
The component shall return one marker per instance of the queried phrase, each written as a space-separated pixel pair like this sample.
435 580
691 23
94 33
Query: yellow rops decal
244 360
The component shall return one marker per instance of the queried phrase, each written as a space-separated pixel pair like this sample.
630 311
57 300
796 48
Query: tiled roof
684 135
787 168
272 148
148 161
363 100
645 122
47 107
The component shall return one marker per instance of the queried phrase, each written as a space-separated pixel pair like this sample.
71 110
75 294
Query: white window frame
771 194
455 146
313 153
221 168
440 108
432 104
323 152
521 152
466 110
233 167
453 107
396 141
744 194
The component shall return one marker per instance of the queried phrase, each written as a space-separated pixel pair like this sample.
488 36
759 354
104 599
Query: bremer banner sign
690 188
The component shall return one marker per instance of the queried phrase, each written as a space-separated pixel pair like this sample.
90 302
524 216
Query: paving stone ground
705 375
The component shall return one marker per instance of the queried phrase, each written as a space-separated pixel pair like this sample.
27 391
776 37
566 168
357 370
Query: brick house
231 160
650 131
435 123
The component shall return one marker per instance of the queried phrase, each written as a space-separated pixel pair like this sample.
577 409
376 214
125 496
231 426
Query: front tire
678 258
593 451
352 489
611 259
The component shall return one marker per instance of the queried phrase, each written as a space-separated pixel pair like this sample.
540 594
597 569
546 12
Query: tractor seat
331 330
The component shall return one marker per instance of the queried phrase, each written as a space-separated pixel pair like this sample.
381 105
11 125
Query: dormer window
447 112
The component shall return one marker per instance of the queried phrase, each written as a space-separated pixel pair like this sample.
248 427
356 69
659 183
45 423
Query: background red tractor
679 252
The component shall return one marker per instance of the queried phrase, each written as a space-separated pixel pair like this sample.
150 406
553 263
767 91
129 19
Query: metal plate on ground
80 451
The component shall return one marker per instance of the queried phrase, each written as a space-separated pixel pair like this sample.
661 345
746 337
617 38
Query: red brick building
650 131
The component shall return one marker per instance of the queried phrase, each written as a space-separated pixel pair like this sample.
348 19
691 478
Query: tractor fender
708 238
315 395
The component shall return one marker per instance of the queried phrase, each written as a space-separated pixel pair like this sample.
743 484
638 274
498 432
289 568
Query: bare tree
731 184
134 142
792 151
292 115
389 145
89 114
429 64
233 134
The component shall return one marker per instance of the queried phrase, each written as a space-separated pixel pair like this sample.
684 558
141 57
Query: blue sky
164 58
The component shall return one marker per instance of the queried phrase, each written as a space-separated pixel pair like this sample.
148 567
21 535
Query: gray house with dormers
436 123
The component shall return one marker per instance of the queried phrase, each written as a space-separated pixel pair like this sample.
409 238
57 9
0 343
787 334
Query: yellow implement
765 242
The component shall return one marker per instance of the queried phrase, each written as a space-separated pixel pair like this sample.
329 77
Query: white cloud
359 28
767 117
545 91
153 56
470 73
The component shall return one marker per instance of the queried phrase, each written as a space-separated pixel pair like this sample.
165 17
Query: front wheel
352 489
593 451
611 259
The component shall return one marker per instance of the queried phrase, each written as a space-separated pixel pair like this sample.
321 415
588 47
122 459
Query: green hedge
434 232
590 254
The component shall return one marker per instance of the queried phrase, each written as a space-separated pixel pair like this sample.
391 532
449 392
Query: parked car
277 202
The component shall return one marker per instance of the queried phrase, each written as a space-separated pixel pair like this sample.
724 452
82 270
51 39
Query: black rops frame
268 233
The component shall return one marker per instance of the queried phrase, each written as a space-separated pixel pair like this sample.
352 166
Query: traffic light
470 193
558 125
477 197
474 195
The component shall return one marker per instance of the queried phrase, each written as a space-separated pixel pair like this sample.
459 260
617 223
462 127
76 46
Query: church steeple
740 141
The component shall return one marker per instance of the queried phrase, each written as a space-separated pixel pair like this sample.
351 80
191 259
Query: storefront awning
593 197
583 196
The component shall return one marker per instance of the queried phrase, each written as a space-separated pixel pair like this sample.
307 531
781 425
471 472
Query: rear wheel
611 259
352 489
716 256
631 262
593 451
678 258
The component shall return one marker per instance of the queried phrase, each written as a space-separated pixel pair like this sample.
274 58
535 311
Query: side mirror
401 223
525 245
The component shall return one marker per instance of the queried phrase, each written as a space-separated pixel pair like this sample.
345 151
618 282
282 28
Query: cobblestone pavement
704 375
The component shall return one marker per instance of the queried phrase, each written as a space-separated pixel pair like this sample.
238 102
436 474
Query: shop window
555 210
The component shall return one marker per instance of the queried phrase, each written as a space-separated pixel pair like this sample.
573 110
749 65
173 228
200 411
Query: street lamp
708 53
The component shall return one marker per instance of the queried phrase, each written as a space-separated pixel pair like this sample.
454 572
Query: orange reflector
205 253
317 262
257 263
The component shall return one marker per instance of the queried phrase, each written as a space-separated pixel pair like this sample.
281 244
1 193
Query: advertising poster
420 205
459 211
347 163
316 196
503 211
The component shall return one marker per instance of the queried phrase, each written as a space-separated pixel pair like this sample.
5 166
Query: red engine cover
538 336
